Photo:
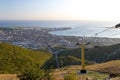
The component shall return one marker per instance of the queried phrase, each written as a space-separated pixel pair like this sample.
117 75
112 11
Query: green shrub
25 63
71 76
32 74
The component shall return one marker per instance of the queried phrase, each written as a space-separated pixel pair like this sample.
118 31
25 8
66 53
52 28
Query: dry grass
108 67
8 77
59 75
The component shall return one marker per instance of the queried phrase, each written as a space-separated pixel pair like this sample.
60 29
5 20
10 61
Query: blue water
79 28
29 23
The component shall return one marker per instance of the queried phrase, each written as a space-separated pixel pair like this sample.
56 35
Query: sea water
78 28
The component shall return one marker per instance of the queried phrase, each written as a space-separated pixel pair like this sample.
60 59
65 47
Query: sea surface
79 28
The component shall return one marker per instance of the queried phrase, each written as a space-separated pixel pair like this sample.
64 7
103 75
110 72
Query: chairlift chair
117 25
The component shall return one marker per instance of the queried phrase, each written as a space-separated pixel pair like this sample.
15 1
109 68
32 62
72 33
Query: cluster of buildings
38 37
34 38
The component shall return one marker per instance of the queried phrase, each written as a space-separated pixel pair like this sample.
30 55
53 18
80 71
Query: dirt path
59 75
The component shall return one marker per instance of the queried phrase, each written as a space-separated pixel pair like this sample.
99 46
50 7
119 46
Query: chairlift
77 43
83 44
117 25
86 49
82 72
96 46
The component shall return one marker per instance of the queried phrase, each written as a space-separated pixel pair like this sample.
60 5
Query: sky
105 10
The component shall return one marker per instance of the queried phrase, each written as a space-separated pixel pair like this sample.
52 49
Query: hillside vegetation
21 61
68 56
99 54
99 71
65 61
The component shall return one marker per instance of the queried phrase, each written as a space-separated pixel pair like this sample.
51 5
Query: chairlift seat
83 71
86 49
96 46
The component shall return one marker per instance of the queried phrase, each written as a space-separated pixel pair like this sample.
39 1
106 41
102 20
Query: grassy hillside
65 61
19 60
99 71
100 54
108 67
69 57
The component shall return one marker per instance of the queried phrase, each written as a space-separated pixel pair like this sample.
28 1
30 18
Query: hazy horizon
94 10
105 12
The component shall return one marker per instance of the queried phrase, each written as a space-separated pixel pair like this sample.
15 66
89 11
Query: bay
79 28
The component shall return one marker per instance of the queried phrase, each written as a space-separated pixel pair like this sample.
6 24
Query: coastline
52 32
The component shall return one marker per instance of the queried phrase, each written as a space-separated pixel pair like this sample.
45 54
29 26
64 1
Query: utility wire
103 31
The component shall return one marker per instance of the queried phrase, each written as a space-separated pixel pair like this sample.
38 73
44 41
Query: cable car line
103 31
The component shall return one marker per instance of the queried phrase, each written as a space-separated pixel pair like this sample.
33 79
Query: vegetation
99 54
92 55
64 61
71 76
28 63
24 62
101 70
91 75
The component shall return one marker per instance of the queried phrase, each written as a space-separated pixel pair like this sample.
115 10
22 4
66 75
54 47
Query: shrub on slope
19 60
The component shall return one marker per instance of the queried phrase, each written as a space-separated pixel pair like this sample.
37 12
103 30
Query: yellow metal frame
82 57
83 76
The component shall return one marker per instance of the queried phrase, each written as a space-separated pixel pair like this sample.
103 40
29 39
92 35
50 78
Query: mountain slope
108 67
15 59
100 54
